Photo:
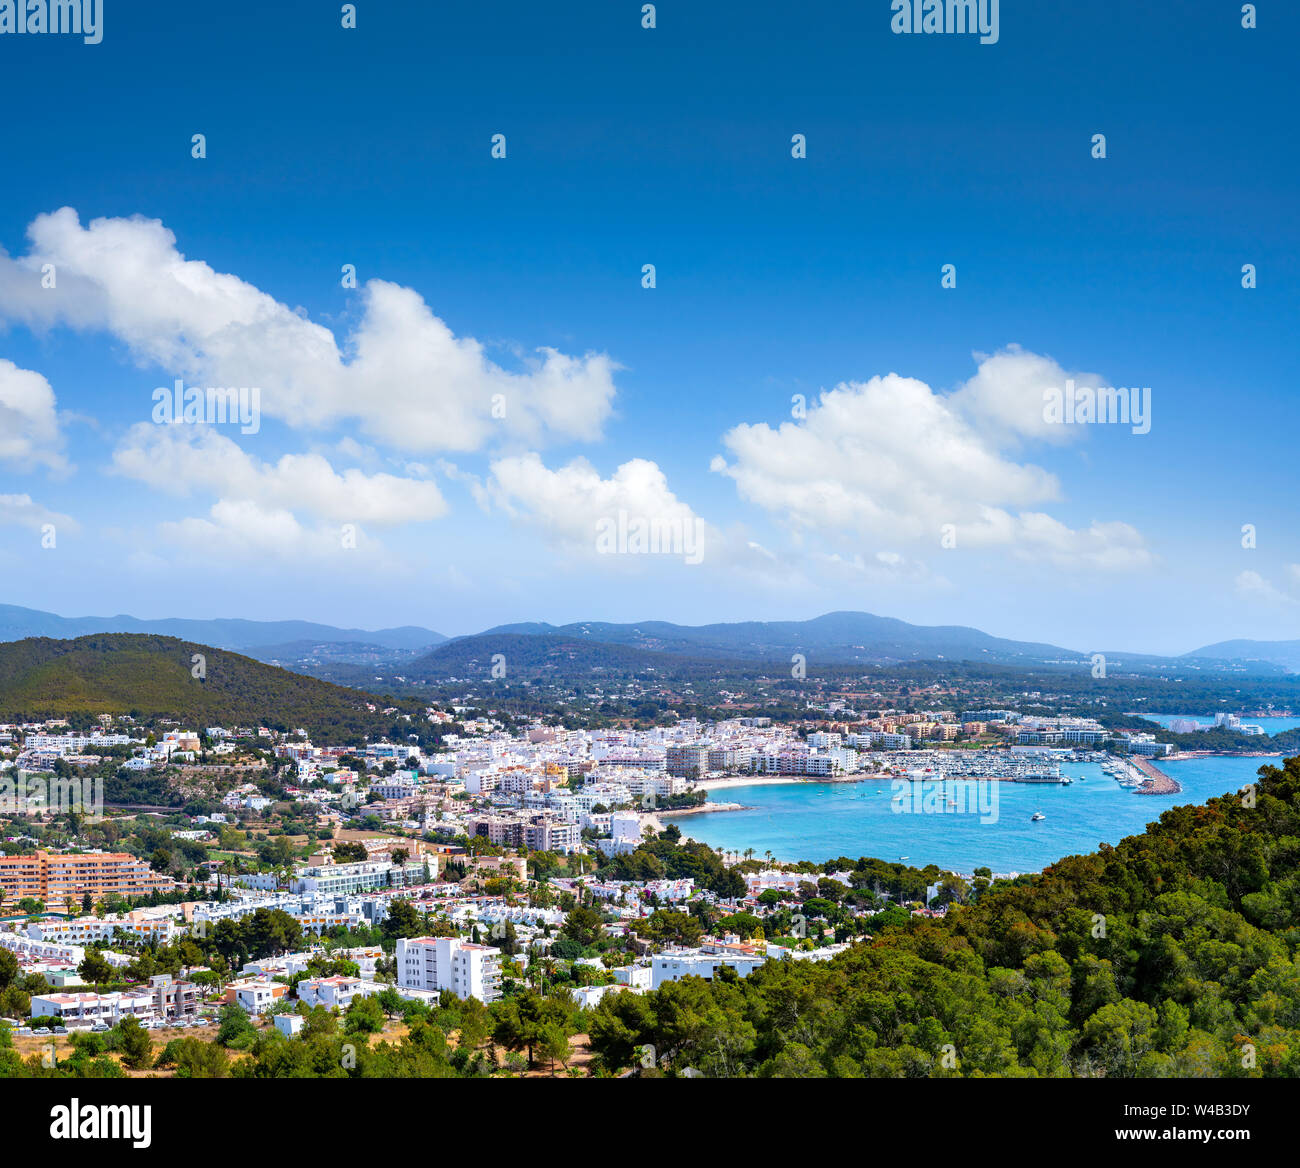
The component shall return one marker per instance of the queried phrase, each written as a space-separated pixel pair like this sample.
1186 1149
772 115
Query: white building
625 825
635 977
256 996
589 996
448 963
333 991
93 931
288 1024
675 964
91 1008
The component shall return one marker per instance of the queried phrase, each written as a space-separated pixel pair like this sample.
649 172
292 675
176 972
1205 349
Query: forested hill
150 676
1171 954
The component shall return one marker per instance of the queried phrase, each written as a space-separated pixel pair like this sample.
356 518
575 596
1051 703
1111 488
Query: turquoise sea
822 821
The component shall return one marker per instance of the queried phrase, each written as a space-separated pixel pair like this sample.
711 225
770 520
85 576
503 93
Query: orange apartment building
53 878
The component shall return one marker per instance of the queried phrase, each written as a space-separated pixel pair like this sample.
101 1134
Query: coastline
773 781
700 810
1184 755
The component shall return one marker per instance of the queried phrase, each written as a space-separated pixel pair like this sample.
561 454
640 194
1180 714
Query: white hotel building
448 963
89 1007
675 964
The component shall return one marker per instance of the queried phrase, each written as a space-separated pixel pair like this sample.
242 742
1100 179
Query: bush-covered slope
1171 954
148 676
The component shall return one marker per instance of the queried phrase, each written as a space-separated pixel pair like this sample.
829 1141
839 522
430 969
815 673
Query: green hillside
149 677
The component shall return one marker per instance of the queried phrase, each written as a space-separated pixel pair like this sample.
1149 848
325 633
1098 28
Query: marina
1004 766
1141 777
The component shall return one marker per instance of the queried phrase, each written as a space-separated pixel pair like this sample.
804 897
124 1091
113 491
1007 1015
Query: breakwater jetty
1154 781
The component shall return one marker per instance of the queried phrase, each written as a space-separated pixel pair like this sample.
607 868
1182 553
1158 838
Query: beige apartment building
53 878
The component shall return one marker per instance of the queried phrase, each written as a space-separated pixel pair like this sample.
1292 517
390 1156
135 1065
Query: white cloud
893 460
408 380
29 423
1252 586
1005 398
182 459
583 514
568 503
1108 547
587 516
244 528
23 511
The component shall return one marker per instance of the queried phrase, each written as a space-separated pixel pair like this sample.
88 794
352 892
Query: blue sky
775 277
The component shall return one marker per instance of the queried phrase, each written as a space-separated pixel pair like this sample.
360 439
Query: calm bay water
821 821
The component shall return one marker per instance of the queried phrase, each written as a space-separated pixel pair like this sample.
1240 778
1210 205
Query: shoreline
702 809
1186 755
787 863
773 781
731 781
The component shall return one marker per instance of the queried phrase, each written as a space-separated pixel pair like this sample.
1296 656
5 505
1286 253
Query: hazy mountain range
837 637
281 642
1283 653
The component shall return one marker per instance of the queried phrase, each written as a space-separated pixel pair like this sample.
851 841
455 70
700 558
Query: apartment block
689 761
448 963
93 931
56 877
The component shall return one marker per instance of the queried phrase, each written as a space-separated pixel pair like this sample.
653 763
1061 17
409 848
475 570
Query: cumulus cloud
402 377
186 459
245 528
1005 398
567 504
586 515
893 460
29 423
